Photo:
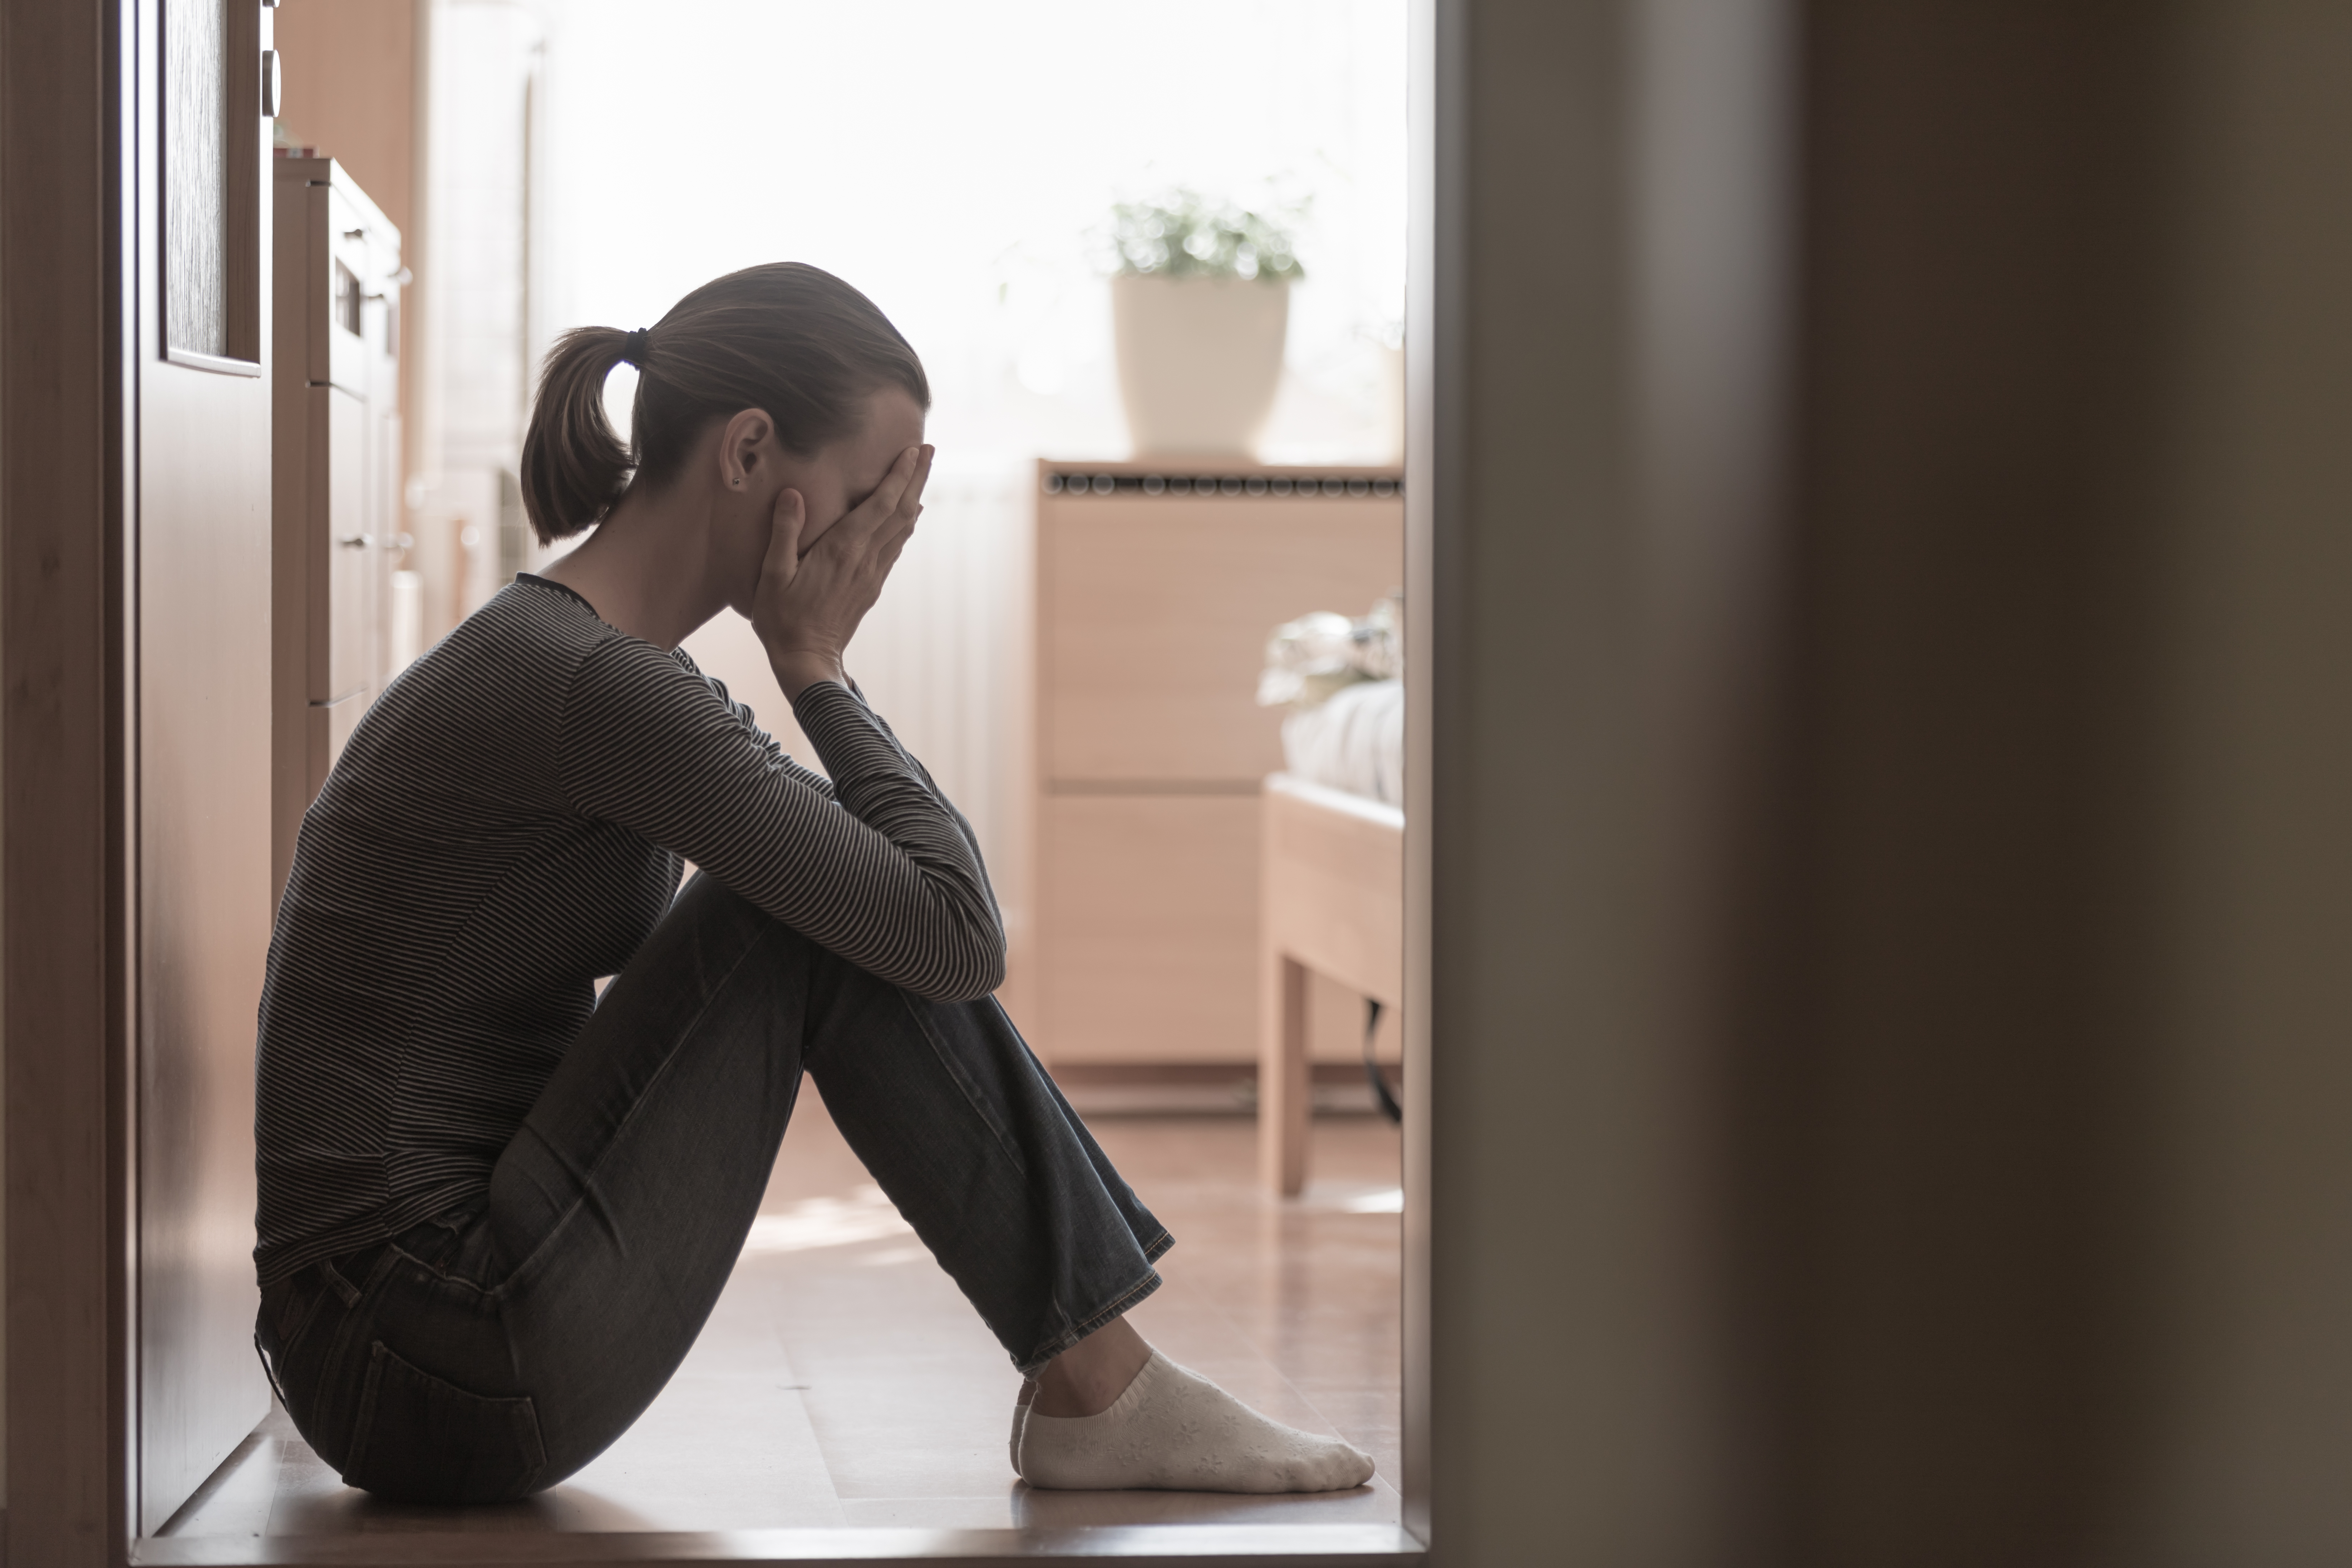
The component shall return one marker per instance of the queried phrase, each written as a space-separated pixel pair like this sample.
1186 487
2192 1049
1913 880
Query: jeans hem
1120 1305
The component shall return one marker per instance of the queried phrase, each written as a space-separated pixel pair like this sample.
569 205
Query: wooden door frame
67 382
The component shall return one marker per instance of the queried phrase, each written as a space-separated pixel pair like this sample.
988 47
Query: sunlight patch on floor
864 1216
1390 1200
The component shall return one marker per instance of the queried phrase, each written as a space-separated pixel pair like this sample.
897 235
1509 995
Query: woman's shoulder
624 683
548 607
513 654
532 620
529 619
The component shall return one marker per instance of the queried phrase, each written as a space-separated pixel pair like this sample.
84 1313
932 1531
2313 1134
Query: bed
1330 894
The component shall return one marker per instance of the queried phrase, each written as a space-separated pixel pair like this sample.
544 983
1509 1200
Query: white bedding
1354 740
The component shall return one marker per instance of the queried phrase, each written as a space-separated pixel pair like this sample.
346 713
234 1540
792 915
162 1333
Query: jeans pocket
288 1310
420 1439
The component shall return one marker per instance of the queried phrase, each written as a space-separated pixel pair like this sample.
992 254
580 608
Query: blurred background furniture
1331 903
1155 588
335 489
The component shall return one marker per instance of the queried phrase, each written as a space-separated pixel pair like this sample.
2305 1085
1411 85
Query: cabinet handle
356 541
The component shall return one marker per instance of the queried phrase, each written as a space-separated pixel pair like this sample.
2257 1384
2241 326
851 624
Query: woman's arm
887 878
923 773
751 722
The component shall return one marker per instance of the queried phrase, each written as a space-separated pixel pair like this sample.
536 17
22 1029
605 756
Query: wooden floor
843 1382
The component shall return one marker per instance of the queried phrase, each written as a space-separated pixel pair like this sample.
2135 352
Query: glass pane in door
195 169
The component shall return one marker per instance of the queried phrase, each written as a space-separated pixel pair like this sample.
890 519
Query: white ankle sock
1176 1431
1021 1419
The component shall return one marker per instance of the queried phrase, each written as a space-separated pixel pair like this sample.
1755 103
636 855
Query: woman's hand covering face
809 603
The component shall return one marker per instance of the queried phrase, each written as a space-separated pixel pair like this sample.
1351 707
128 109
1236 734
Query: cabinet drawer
1148 918
347 281
1152 619
344 618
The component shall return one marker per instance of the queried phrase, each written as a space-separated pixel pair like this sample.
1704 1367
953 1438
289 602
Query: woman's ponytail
574 464
785 338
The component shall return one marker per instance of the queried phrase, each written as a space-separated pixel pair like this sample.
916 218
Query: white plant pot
1199 359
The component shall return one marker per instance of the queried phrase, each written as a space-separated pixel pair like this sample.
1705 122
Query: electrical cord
1388 1101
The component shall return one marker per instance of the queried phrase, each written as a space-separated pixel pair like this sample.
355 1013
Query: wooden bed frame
1331 900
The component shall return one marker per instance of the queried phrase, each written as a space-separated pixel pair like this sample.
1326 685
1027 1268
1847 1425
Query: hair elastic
633 351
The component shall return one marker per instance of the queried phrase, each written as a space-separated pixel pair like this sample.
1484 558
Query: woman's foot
1087 1377
1168 1428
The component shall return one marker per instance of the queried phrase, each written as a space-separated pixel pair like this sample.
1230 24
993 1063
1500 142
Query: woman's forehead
892 425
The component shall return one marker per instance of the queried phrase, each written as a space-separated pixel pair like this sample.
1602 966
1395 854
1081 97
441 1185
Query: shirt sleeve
923 773
751 722
882 873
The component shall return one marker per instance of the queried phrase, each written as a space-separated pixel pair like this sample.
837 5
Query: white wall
958 163
477 272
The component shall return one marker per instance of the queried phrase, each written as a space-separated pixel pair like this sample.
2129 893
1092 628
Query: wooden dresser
1156 588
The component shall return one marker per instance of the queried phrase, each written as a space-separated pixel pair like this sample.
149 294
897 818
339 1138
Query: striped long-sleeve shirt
505 826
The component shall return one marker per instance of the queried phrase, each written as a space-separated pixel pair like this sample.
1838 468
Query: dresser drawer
344 628
1147 921
1152 619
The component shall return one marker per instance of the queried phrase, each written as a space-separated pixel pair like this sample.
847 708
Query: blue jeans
495 1351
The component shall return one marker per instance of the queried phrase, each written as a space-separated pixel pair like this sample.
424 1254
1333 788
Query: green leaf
1186 235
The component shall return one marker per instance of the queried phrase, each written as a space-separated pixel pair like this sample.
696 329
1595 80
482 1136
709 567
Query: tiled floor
843 1381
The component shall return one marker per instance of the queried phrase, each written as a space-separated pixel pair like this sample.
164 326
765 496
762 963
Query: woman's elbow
991 974
977 973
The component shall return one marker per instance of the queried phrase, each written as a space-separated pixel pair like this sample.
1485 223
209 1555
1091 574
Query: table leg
1285 1095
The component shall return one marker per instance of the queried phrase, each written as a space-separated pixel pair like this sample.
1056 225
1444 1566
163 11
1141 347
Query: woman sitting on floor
494 1210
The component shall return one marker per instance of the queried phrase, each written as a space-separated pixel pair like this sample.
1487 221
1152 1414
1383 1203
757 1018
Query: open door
201 597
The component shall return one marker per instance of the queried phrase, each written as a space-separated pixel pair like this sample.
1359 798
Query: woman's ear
745 450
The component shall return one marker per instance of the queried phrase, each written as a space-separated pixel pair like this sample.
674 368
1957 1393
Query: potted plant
1200 310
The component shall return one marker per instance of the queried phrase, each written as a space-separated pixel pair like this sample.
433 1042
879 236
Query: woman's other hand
808 606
